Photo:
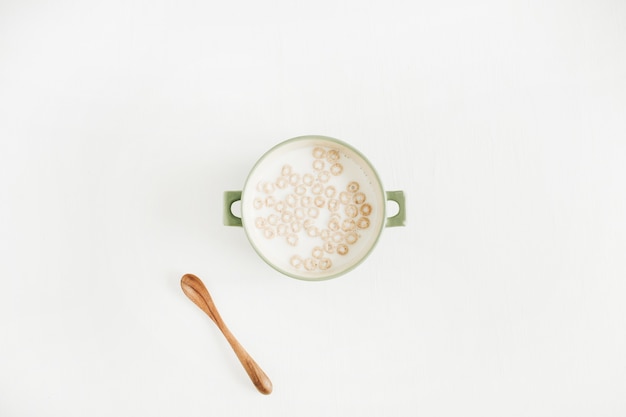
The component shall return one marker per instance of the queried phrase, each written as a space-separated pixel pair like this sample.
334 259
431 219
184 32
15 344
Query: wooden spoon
194 288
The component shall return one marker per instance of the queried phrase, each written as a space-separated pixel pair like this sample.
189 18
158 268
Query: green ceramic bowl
313 207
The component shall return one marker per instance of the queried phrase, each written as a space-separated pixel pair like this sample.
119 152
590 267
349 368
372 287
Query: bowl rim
334 141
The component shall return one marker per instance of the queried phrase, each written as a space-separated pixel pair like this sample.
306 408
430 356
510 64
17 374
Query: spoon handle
194 288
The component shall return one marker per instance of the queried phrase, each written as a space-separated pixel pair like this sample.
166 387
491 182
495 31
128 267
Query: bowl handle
400 217
229 218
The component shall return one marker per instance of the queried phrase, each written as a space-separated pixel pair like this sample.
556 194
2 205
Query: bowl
313 207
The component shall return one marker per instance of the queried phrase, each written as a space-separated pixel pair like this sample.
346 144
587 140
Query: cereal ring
294 179
279 206
342 249
325 234
332 155
351 238
285 170
269 233
269 201
353 187
336 169
345 197
333 204
291 200
313 231
308 223
258 203
272 219
334 225
359 198
300 190
317 252
330 191
319 201
313 212
318 152
329 247
305 201
325 264
323 176
337 237
260 222
310 264
281 182
292 239
363 223
317 189
287 216
366 209
268 188
318 165
282 229
296 226
351 210
299 213
296 261
307 179
348 225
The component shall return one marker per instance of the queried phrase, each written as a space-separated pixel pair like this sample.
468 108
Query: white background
122 122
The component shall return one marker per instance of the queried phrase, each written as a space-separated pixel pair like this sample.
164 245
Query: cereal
363 223
300 190
359 198
281 183
318 165
333 204
342 249
294 179
287 216
291 200
351 210
317 252
269 233
325 264
268 188
332 155
318 152
282 229
299 197
345 197
336 169
310 264
299 213
296 261
323 176
348 225
279 207
351 238
292 239
317 189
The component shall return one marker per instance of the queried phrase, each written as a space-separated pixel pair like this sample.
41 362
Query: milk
313 208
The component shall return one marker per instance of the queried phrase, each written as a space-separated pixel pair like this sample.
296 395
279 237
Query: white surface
122 122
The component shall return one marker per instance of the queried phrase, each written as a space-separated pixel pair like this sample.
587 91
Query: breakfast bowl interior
313 207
